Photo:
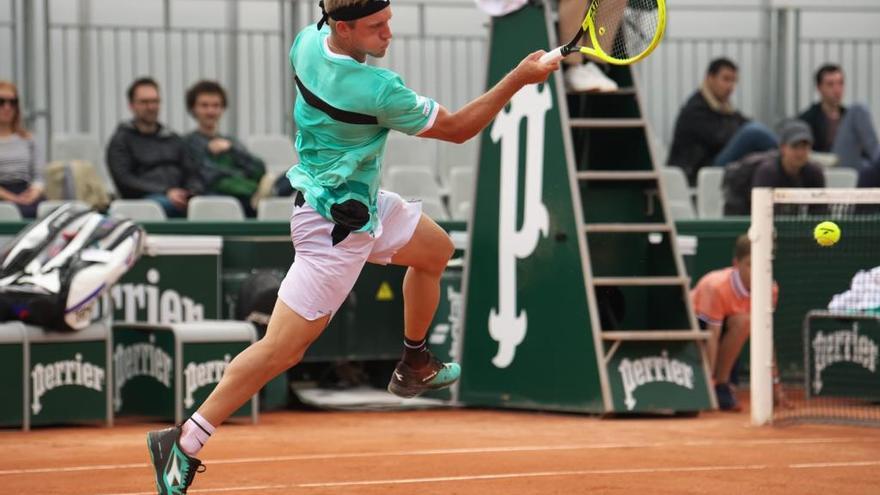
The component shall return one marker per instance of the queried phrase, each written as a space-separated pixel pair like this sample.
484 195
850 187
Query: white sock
196 432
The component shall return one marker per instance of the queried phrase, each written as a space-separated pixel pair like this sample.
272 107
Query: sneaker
175 469
589 77
407 382
726 398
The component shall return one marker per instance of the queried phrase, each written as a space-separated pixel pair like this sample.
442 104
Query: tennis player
341 220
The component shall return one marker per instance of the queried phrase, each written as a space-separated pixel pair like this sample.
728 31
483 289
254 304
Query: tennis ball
827 234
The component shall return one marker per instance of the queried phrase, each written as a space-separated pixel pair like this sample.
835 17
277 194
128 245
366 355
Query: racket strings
626 28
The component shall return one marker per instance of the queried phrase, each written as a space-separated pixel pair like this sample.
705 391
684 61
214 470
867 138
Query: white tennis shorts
322 275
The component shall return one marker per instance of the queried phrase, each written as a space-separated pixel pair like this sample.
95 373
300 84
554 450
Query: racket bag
55 270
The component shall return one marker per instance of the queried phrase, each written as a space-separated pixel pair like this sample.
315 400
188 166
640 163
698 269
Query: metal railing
90 64
9 42
857 53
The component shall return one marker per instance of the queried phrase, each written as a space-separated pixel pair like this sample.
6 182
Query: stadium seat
710 201
452 156
9 212
275 209
462 212
677 192
461 187
841 177
403 150
434 208
214 208
141 210
48 206
67 147
414 183
681 210
276 150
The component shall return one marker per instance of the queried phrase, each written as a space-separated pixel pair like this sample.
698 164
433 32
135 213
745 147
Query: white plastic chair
681 210
678 194
841 177
452 156
461 187
9 212
48 206
214 208
414 183
276 150
67 147
141 210
710 200
275 209
434 208
402 150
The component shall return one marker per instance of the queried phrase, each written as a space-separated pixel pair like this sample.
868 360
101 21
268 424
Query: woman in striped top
21 160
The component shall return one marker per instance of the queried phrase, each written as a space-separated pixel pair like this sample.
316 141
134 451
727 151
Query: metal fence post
47 76
85 66
232 68
286 34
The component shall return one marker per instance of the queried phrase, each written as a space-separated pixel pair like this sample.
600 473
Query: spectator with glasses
21 159
148 160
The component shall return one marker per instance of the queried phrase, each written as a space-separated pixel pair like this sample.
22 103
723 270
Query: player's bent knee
442 252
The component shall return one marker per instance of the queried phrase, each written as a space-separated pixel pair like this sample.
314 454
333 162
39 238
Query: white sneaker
589 77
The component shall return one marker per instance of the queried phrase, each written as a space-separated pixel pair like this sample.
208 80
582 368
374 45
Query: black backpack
55 270
738 179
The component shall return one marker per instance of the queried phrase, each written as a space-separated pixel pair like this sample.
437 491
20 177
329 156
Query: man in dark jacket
849 132
149 161
707 121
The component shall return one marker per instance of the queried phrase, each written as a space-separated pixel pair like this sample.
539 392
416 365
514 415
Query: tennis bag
53 273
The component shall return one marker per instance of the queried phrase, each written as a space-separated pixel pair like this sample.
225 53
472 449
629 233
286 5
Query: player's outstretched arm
467 122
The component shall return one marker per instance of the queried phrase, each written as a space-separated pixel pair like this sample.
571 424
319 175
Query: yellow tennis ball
827 234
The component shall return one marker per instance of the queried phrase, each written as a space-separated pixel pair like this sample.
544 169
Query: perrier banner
528 341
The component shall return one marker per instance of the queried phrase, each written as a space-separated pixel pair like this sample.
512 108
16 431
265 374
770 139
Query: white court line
834 464
538 474
481 450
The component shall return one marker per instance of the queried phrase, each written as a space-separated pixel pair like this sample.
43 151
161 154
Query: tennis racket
621 32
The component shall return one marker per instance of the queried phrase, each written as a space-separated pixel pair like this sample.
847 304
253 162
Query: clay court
462 452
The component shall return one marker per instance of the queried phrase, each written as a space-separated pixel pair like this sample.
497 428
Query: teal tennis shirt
340 160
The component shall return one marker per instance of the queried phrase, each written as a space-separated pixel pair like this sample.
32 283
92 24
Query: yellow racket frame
589 26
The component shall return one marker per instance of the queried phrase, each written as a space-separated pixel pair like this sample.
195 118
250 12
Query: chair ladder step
607 123
617 175
627 227
628 91
639 281
645 335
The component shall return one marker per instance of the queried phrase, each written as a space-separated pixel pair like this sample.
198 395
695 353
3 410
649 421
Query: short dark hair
143 81
202 88
826 69
716 65
742 248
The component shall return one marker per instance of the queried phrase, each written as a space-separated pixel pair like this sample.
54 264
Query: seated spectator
148 160
225 165
792 167
722 303
707 121
21 159
789 166
847 132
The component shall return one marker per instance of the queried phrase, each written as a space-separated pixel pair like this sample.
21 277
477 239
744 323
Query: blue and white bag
57 268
